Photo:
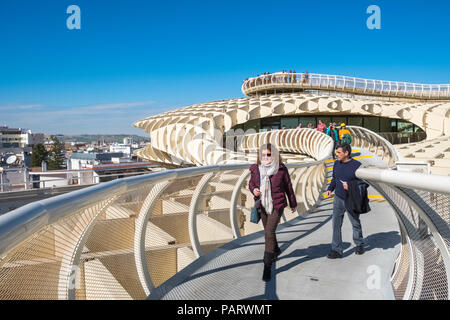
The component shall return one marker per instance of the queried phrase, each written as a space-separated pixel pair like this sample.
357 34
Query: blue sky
136 58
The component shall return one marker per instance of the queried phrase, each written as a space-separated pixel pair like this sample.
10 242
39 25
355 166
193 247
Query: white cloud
75 110
20 107
96 118
123 105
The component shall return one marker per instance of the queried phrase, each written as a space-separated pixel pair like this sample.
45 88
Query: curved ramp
302 271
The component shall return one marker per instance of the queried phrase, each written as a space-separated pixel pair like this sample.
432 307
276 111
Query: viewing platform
280 82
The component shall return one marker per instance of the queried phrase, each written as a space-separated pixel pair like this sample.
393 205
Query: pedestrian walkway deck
234 271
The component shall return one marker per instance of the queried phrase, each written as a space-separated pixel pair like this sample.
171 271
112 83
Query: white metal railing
300 141
68 181
366 139
347 84
205 149
133 233
422 205
403 137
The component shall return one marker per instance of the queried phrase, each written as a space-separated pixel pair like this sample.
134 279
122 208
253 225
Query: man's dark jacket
357 199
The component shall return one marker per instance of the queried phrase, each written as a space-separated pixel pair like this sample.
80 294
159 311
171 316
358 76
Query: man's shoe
359 249
334 255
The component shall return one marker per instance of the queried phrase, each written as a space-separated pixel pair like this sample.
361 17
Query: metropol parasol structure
192 135
184 232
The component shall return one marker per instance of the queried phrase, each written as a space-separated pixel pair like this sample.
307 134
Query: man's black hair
345 148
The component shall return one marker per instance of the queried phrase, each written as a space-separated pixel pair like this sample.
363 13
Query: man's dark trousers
338 218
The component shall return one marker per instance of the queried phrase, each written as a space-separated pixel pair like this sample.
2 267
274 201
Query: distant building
14 137
17 142
86 160
126 148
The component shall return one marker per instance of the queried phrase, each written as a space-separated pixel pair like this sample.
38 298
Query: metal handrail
19 224
421 203
347 84
68 180
412 180
299 141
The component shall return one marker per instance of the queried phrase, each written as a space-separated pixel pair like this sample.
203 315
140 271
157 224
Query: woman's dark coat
280 186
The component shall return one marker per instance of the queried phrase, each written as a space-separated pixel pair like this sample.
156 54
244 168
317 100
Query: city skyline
131 60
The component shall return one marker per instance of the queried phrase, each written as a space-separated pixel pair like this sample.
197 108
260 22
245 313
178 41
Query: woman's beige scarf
267 170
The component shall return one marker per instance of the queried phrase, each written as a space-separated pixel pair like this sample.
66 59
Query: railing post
304 183
233 203
73 255
299 175
193 208
140 231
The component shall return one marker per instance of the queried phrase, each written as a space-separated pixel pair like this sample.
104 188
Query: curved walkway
395 89
234 271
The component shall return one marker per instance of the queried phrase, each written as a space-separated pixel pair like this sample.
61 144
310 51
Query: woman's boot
268 259
277 253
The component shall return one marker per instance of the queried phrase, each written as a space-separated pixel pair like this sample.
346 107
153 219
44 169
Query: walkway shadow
325 204
283 247
318 225
270 289
381 240
190 272
310 253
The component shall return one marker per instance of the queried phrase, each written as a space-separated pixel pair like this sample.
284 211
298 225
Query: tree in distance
56 159
38 155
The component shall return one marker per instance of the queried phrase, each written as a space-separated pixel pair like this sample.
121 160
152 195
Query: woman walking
270 183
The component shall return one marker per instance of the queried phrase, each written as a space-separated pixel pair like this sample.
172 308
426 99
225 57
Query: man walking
343 172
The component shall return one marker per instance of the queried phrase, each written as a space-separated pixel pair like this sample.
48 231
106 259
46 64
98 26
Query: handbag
256 212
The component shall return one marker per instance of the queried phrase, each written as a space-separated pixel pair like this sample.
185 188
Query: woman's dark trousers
272 250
